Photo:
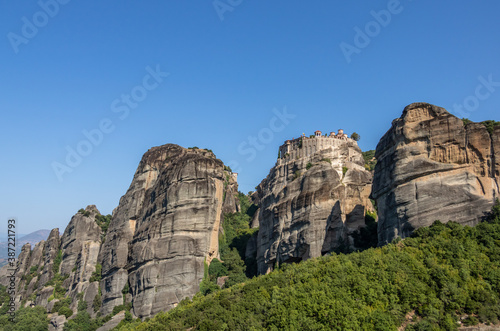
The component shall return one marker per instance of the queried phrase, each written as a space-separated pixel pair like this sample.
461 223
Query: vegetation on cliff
232 245
489 124
441 275
370 160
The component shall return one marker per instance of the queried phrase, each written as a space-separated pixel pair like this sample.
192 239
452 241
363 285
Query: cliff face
310 204
165 227
72 256
80 246
433 167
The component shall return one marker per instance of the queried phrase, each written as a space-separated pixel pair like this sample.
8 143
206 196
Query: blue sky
224 69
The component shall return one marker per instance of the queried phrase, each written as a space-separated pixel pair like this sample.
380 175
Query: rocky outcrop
80 246
113 322
51 249
433 167
310 204
73 257
56 322
161 237
164 229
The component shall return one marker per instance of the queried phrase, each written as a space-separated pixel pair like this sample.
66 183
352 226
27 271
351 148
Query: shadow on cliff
339 239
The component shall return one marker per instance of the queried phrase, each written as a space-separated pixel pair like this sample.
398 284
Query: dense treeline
442 275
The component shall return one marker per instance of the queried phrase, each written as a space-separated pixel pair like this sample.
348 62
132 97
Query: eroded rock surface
433 167
164 230
165 227
311 202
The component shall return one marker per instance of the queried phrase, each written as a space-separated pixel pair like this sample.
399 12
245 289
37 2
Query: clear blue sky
228 68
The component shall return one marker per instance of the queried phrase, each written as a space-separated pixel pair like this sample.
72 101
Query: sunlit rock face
164 229
311 202
433 167
153 255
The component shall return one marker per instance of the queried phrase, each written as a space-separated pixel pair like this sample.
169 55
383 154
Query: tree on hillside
355 136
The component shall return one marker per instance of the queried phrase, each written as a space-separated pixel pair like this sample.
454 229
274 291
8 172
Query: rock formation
164 229
311 202
77 250
433 167
161 236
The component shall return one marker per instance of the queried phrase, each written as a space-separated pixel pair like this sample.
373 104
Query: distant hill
33 238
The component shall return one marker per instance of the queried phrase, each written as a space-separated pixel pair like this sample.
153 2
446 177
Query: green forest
441 277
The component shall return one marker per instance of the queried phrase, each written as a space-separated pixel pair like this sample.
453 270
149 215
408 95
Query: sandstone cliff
165 227
311 202
153 255
433 167
60 266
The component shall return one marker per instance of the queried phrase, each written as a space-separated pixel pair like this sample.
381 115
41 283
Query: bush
216 269
96 275
66 311
57 262
490 125
61 303
126 289
96 304
207 286
103 222
370 160
355 136
470 320
119 308
33 319
309 165
82 305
